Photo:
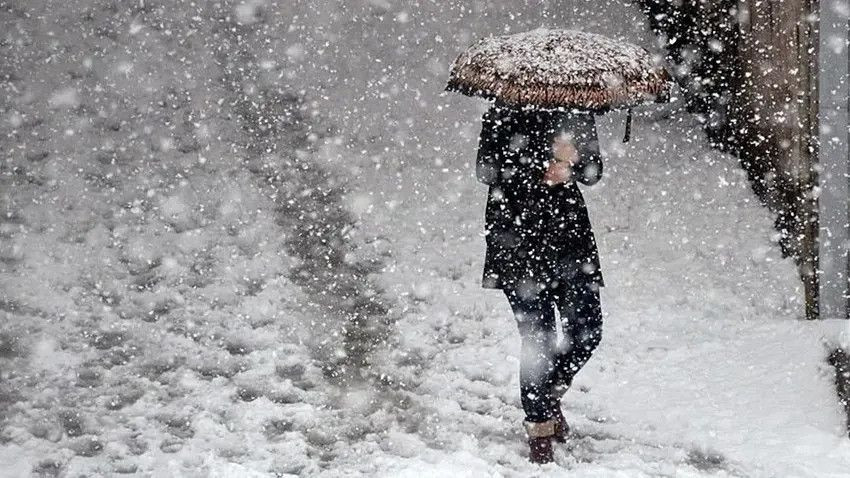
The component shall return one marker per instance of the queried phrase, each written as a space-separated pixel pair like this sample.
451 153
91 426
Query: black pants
543 362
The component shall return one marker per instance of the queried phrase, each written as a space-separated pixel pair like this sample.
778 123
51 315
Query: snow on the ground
167 311
174 274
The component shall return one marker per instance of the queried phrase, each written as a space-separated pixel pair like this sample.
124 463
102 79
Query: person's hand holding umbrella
565 154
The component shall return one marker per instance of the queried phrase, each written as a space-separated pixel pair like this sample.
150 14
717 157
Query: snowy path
151 272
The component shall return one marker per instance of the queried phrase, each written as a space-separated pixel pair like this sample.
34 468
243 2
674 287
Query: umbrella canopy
560 69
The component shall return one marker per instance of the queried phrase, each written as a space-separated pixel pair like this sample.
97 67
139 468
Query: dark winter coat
537 235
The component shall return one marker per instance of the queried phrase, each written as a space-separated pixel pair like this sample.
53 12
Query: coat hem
495 284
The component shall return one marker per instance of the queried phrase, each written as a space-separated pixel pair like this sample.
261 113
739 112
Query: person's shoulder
501 110
502 116
577 119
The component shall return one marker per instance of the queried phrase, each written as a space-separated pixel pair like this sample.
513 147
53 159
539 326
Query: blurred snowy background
244 238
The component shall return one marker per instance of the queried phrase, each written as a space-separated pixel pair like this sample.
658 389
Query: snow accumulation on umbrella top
560 68
560 54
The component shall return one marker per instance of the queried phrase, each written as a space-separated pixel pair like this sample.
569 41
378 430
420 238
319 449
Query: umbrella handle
628 134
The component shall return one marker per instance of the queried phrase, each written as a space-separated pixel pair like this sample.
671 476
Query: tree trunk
749 66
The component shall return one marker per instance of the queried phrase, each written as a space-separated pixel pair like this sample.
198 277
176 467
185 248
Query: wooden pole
807 107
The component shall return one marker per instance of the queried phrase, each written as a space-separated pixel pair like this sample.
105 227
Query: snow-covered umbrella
560 69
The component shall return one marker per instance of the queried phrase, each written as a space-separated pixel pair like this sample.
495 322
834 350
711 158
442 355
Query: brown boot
562 428
540 441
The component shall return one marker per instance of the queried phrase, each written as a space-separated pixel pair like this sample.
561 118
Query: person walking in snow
541 250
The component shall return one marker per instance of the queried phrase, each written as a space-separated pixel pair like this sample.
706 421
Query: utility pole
834 158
